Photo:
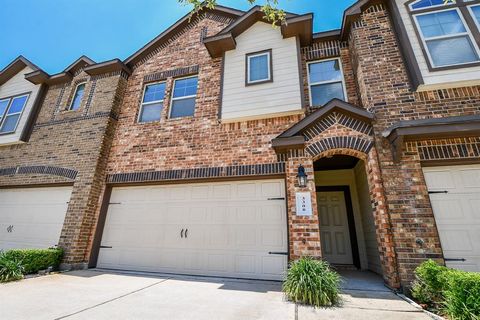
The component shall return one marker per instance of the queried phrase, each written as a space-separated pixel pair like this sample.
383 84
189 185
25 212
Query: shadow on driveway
102 294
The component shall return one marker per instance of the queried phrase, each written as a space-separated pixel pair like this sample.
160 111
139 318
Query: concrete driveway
97 294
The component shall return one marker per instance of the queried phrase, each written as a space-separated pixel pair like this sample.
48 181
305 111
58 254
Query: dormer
261 74
19 100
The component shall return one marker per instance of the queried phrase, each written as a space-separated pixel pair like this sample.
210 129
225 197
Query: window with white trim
152 102
259 67
447 39
77 96
183 97
11 110
326 82
475 10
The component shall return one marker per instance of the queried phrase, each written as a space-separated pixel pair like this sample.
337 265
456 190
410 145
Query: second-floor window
77 97
152 102
10 111
259 67
183 97
447 33
325 79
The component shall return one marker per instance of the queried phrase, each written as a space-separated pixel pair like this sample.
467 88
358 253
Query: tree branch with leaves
270 8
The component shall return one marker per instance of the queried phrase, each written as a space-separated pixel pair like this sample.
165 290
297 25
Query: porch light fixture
302 177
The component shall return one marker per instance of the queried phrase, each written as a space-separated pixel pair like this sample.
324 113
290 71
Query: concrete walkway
97 294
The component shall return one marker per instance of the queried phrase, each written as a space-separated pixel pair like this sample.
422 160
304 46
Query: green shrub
312 282
454 293
428 287
461 294
34 260
10 270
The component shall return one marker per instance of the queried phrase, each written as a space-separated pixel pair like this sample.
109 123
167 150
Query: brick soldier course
102 144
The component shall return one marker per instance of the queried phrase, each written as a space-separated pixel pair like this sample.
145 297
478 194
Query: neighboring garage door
455 197
224 229
32 217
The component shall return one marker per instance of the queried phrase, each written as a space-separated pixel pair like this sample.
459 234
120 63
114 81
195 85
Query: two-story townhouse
232 147
55 134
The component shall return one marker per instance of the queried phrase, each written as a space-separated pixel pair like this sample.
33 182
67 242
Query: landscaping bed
451 293
16 263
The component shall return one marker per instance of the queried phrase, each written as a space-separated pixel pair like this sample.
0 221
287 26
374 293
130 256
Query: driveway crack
113 299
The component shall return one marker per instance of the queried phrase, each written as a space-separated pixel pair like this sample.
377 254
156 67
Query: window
259 67
326 82
10 111
152 102
442 26
475 10
77 97
430 3
183 99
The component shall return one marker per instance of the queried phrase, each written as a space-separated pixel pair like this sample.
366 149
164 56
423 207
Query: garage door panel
470 178
34 216
232 227
455 203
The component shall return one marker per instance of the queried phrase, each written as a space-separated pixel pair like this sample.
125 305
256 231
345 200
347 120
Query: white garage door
32 217
455 197
222 229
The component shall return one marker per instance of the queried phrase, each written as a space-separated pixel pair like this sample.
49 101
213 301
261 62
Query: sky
54 33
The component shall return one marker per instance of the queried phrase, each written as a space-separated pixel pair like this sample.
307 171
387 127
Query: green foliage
34 260
452 292
427 288
270 8
312 282
10 270
461 294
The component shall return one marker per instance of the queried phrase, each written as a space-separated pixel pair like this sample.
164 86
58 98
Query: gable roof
295 25
333 105
15 67
173 29
79 63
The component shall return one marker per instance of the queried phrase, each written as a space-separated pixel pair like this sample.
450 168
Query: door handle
181 234
186 233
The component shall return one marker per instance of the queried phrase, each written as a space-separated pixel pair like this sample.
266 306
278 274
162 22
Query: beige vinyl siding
15 86
266 99
437 79
368 224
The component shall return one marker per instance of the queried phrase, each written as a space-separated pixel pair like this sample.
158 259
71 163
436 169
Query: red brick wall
191 142
74 140
384 89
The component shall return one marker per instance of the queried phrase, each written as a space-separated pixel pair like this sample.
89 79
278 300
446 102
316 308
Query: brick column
304 234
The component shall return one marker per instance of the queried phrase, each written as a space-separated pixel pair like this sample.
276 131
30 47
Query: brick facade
69 147
102 144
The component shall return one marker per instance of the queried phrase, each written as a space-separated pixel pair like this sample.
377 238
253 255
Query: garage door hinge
280 253
105 247
432 192
455 259
276 198
114 203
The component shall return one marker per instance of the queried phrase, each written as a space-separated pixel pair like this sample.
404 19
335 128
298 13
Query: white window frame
310 84
151 102
5 114
410 6
477 23
182 98
263 53
70 108
467 33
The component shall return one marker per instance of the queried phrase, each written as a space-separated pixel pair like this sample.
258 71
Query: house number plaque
304 203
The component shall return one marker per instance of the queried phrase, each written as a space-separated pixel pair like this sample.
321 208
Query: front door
334 232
